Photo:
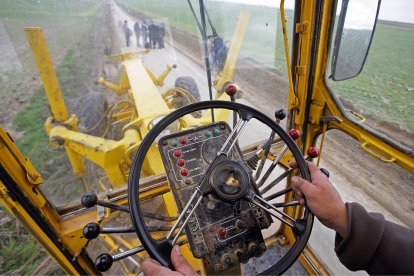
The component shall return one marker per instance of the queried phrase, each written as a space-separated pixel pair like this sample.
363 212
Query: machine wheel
92 115
189 84
160 248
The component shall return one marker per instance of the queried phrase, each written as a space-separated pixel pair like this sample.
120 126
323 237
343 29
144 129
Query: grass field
384 90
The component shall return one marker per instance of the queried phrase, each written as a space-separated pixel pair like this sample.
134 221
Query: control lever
92 230
104 261
325 172
90 199
231 90
294 134
279 115
252 162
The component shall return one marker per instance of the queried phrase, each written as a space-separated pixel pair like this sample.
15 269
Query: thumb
180 263
304 187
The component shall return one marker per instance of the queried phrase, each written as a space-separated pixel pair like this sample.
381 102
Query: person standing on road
127 32
161 36
364 241
144 33
137 31
151 34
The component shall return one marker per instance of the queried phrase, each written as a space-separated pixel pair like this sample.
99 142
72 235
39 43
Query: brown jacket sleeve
374 244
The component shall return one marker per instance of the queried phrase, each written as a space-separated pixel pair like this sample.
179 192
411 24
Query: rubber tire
189 84
94 106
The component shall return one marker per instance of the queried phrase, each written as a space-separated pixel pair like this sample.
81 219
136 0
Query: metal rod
113 206
275 195
182 214
112 230
206 53
276 181
158 217
271 213
186 220
237 136
274 208
127 253
158 228
273 165
287 204
229 138
130 258
266 149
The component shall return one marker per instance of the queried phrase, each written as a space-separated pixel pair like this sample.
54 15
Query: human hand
322 199
182 267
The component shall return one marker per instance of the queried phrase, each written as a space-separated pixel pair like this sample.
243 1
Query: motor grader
210 175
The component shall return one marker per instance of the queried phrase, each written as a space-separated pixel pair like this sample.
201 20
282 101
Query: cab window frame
333 95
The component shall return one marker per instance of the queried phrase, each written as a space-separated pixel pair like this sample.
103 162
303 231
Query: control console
224 233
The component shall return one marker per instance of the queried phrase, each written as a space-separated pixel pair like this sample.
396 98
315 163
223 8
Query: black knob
325 172
280 114
89 199
243 258
91 230
255 249
104 262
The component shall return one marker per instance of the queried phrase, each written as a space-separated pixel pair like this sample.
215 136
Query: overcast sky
395 10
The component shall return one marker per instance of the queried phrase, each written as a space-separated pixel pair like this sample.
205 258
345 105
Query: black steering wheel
160 249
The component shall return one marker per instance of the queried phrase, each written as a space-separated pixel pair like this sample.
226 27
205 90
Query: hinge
302 27
300 70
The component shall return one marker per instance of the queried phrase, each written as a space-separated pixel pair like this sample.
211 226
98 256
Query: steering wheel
246 189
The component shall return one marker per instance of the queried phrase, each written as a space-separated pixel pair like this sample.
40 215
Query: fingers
301 186
180 263
152 267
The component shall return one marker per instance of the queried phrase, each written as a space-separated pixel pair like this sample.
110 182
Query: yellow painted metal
161 78
10 160
107 154
227 74
47 73
321 96
144 91
292 99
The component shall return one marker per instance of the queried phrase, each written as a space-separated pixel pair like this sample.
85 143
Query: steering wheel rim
161 249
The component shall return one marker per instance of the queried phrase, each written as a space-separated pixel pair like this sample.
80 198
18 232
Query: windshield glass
381 96
90 44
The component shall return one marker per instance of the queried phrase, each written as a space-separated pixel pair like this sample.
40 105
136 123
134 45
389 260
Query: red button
222 232
177 153
181 162
313 152
294 133
183 140
184 172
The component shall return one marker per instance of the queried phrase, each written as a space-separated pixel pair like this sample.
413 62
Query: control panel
223 233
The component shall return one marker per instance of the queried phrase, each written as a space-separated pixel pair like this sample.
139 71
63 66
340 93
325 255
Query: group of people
149 32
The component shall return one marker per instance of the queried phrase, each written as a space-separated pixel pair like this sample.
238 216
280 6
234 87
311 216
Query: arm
364 241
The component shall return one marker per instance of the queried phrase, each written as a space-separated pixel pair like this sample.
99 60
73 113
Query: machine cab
128 127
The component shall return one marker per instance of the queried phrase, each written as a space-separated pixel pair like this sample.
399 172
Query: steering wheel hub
229 180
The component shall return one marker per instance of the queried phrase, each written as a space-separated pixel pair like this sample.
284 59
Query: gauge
210 148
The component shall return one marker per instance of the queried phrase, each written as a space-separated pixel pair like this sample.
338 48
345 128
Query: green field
384 90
